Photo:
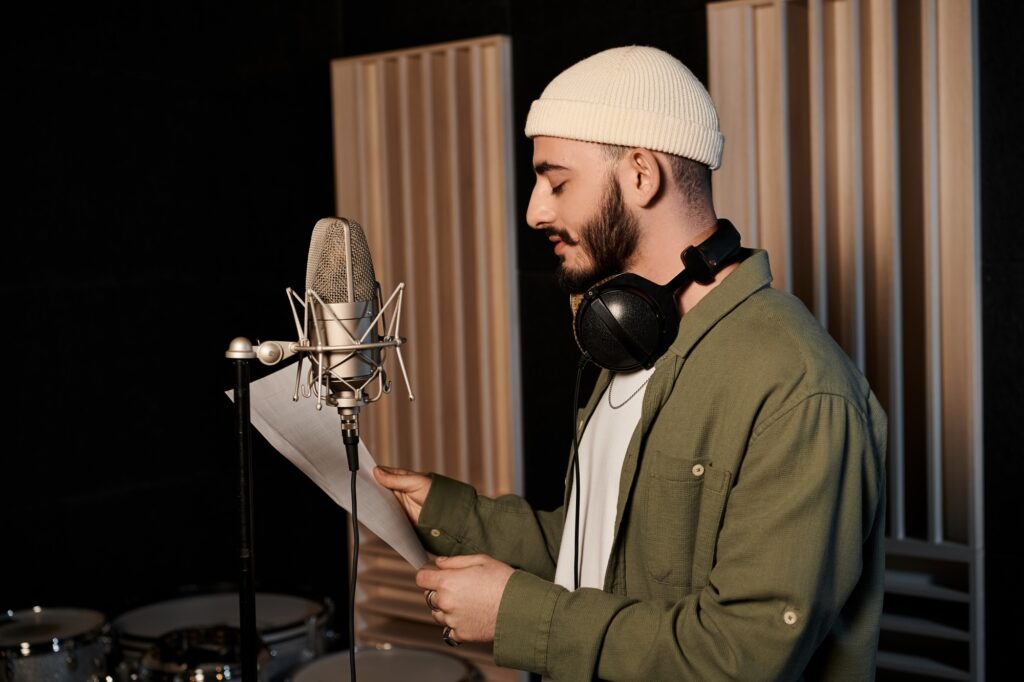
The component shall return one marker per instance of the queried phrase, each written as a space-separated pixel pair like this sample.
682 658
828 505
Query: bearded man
730 491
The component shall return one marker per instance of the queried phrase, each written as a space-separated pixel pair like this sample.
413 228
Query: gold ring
446 635
430 600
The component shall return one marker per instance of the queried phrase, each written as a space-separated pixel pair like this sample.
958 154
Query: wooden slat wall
850 155
423 161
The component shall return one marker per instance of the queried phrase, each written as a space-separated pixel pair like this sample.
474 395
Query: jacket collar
752 275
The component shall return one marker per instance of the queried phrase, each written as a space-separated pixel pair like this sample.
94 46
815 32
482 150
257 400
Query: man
732 496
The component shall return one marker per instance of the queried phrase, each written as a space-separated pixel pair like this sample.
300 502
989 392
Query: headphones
627 322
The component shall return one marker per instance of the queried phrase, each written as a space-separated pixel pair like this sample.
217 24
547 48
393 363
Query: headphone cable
576 568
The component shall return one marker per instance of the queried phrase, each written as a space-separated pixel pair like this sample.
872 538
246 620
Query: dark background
166 163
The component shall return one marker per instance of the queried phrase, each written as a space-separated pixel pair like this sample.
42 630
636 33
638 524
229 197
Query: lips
561 240
560 244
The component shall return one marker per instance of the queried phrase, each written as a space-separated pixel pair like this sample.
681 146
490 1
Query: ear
643 177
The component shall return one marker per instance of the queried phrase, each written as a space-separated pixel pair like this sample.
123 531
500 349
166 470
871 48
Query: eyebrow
544 167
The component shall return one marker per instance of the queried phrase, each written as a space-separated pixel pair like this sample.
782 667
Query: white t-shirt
602 451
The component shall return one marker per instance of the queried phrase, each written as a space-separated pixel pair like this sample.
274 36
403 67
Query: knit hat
635 97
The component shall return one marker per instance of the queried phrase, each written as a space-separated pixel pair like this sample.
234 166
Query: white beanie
635 97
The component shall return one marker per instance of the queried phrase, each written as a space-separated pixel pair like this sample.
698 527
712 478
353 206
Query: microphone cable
352 586
352 450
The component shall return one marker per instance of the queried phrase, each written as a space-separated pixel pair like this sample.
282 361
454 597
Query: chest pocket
682 511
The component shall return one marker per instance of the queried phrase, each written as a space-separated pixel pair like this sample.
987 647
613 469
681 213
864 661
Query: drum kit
196 639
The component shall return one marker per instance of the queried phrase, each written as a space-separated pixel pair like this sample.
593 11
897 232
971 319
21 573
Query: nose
539 213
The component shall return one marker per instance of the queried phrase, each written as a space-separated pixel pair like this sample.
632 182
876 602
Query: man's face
577 200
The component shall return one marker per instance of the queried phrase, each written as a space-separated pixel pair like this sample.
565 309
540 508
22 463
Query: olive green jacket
749 530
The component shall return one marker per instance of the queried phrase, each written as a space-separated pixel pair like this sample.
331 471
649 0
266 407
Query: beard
608 239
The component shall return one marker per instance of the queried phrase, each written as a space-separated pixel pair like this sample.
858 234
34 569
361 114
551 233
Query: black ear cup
627 322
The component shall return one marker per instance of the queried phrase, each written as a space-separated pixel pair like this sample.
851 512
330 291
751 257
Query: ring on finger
430 600
446 635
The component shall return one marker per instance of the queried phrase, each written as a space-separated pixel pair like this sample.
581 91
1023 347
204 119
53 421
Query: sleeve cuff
444 516
524 622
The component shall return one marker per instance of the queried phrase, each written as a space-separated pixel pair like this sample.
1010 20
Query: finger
429 578
464 561
453 637
430 597
440 617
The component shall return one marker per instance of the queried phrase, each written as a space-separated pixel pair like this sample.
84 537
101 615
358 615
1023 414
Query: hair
692 178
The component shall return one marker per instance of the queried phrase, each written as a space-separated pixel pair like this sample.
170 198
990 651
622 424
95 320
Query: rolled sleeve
445 513
524 622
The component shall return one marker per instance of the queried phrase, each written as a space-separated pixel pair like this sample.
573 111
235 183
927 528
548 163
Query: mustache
562 234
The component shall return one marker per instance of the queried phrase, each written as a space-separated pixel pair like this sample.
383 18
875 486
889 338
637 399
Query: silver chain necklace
631 395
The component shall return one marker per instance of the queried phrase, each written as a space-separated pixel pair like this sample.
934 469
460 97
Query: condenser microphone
341 328
343 298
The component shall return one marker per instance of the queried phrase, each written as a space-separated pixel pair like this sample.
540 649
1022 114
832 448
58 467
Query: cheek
574 218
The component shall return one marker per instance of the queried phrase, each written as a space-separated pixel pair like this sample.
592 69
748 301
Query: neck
668 229
665 238
671 227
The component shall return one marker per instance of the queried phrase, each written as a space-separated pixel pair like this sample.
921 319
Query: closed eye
557 189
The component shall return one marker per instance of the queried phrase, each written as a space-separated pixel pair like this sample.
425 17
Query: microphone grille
328 270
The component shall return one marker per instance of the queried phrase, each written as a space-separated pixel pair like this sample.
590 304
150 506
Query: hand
410 488
469 590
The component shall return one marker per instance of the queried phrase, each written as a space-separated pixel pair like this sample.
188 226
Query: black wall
1001 81
169 164
166 165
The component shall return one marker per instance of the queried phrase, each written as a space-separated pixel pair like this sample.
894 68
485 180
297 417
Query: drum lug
123 673
313 646
330 634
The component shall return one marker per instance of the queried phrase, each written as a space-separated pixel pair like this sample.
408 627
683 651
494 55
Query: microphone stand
241 352
339 392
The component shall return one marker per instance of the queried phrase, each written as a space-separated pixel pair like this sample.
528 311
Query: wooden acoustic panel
850 156
423 161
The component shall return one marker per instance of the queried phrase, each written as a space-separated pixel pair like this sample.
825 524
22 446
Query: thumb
396 479
462 561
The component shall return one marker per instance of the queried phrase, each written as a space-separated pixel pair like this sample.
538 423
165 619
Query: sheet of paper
311 440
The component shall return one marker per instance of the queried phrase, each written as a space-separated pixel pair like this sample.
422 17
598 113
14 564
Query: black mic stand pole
241 352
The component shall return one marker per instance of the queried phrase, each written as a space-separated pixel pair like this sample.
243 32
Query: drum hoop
470 669
274 635
292 630
63 643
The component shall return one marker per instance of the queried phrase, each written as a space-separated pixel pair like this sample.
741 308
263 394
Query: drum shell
390 663
292 628
199 655
79 655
